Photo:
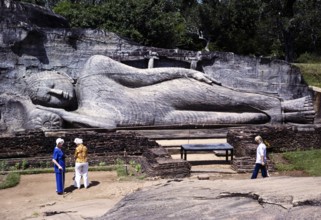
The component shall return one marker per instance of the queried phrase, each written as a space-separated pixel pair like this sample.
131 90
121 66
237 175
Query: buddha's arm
153 76
81 120
134 77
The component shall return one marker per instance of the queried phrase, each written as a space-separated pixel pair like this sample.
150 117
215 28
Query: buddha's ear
50 84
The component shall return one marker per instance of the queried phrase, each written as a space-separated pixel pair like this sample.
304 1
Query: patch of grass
307 161
121 168
311 73
68 169
11 180
124 171
285 167
35 171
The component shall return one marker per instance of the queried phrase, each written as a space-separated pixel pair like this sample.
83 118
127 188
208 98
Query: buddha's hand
203 78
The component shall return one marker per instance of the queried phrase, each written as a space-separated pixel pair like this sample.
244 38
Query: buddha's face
51 89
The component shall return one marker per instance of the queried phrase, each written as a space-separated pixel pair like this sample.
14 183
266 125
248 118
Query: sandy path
35 197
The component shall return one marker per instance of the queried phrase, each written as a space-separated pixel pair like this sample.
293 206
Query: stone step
200 170
207 163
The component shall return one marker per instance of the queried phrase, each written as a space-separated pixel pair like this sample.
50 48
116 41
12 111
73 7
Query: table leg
226 155
185 152
232 154
181 152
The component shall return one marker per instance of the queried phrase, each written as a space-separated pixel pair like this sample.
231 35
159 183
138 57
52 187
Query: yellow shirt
81 154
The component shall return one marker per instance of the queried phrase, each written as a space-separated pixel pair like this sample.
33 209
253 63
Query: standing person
81 167
58 158
260 158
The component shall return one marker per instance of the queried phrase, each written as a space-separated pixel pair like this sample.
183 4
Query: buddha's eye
45 97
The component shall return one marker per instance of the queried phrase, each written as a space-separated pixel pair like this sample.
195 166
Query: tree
150 22
276 28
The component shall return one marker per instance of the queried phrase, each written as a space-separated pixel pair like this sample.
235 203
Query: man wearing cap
81 167
58 158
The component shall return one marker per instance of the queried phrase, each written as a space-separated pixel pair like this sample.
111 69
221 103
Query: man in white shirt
260 163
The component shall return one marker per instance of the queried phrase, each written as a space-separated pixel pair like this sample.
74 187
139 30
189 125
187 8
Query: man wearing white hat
81 167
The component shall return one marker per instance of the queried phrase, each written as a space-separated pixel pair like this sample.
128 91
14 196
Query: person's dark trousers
258 167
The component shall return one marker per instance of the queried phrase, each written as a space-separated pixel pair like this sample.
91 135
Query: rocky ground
277 197
189 198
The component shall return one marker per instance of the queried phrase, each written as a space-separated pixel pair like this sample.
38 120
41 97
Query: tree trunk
288 14
289 45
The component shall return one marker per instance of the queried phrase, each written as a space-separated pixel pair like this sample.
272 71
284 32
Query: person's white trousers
81 170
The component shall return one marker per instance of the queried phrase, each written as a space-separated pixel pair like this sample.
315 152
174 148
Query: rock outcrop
33 39
269 198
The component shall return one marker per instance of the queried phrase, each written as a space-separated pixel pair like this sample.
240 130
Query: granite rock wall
33 39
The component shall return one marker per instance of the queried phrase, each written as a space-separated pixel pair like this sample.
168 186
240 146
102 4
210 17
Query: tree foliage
276 28
149 22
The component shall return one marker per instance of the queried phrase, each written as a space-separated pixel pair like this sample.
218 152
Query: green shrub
311 73
3 165
101 164
136 166
17 166
308 58
121 168
11 180
24 164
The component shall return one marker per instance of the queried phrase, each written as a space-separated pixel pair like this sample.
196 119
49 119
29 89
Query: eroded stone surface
269 198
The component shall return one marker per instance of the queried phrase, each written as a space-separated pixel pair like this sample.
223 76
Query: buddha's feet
298 110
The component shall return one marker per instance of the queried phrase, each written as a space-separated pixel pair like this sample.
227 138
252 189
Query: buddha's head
51 89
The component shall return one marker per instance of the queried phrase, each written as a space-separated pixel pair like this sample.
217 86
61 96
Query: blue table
206 147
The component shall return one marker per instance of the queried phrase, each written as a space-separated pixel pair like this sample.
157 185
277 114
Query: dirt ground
35 196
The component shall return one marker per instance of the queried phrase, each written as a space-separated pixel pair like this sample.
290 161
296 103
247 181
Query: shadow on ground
71 188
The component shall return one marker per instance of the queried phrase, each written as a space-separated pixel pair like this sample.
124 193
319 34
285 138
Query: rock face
269 198
35 41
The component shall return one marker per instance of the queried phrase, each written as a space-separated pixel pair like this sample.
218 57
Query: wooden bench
206 147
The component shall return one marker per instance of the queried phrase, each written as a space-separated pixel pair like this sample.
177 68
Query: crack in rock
47 204
313 202
51 213
243 195
276 201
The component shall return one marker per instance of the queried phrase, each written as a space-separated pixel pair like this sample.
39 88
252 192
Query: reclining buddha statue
110 94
